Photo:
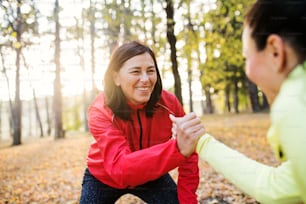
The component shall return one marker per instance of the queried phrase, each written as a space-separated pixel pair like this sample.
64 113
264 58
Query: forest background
53 55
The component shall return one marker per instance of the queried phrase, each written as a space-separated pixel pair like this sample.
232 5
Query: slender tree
80 52
153 27
92 22
36 108
253 92
126 19
48 118
172 42
190 35
117 21
4 72
18 103
1 108
57 100
14 25
38 118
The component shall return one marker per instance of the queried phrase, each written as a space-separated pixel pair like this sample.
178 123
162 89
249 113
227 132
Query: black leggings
159 191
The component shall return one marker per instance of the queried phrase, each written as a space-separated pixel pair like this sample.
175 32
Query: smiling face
137 78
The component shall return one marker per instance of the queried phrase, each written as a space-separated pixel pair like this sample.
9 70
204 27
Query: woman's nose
144 76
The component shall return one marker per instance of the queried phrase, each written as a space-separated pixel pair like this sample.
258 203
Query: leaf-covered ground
48 171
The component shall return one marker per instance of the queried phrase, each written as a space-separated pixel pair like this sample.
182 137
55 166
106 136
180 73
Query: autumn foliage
48 171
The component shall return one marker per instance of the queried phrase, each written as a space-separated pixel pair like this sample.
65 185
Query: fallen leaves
48 171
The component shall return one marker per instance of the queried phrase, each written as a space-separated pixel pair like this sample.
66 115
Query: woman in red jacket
133 148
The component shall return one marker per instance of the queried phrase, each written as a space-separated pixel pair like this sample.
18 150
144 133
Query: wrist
203 140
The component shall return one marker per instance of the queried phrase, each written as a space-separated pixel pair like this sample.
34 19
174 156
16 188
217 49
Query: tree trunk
17 110
38 118
153 28
227 98
82 61
201 74
17 104
172 41
235 96
265 104
253 94
1 108
11 106
209 105
190 34
36 108
48 116
92 20
190 87
30 109
126 19
57 103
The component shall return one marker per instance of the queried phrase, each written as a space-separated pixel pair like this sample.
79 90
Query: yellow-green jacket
287 137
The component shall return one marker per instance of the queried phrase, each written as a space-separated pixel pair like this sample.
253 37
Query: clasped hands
187 130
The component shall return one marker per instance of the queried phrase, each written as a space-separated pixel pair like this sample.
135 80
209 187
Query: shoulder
170 102
167 97
99 101
99 105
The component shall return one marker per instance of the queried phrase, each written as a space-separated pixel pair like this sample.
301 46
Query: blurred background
53 54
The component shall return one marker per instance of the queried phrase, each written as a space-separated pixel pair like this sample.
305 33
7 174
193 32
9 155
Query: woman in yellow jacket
274 46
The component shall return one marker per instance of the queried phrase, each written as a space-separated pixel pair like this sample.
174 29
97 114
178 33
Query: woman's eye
151 71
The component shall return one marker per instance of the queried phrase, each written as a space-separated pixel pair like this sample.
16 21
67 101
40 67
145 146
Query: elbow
277 186
277 195
124 177
274 199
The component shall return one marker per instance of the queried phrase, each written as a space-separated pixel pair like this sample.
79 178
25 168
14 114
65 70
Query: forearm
264 183
188 180
141 166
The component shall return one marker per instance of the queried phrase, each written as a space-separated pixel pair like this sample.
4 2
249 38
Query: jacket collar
136 106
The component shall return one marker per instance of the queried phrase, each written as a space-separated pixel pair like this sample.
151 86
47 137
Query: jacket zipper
140 129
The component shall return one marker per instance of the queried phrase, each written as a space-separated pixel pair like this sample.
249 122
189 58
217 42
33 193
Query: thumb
172 118
175 119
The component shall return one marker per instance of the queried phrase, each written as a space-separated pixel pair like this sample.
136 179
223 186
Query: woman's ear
276 50
116 79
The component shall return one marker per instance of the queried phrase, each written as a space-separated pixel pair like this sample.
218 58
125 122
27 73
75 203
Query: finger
201 131
193 122
189 116
196 128
173 129
190 124
184 119
178 120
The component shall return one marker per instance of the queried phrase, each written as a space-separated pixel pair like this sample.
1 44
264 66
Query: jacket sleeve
127 168
264 183
188 180
188 172
288 116
294 143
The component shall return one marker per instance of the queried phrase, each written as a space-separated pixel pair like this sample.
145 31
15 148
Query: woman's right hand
187 130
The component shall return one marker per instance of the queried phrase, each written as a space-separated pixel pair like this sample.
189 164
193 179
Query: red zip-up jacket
126 154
